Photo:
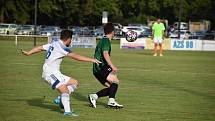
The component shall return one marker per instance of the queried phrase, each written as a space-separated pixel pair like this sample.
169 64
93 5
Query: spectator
158 36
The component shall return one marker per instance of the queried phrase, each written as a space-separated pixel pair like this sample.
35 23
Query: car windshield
181 32
50 29
4 26
199 33
76 29
138 29
135 25
26 27
146 30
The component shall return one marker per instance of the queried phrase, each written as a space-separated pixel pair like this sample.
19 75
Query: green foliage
89 12
14 11
200 7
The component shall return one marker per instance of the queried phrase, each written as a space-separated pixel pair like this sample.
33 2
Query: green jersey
158 29
103 45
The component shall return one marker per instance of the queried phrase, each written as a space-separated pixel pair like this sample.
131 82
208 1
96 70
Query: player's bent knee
111 78
73 82
76 82
63 89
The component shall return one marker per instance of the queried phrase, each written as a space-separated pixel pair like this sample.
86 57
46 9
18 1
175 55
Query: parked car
7 28
25 30
212 32
99 32
183 25
118 29
208 36
86 31
141 32
197 35
81 31
117 26
147 32
183 34
137 25
118 32
50 30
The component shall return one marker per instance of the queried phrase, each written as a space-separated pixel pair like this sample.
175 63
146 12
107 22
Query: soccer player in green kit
105 72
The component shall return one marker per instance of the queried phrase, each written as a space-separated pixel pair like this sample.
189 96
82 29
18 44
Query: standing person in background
158 36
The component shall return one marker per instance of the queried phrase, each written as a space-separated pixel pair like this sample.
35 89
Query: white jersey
55 52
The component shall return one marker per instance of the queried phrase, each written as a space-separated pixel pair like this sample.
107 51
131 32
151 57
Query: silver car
7 28
25 30
50 30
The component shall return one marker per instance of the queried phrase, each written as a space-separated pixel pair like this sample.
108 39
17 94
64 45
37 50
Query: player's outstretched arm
82 58
32 51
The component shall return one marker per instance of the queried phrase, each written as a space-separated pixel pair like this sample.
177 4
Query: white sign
192 44
183 44
104 17
84 42
138 44
80 42
208 45
104 20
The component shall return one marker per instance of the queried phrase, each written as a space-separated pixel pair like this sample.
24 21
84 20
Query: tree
14 11
89 12
200 9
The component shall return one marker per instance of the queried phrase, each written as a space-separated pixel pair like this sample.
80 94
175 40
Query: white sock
58 97
71 88
66 102
111 100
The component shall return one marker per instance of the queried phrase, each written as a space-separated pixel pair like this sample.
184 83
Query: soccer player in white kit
56 50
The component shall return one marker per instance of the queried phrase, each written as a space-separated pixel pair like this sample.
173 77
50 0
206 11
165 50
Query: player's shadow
41 102
84 98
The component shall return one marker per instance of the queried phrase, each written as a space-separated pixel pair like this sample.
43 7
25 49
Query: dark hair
65 34
108 28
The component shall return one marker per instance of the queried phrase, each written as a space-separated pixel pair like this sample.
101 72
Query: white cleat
155 54
92 98
113 104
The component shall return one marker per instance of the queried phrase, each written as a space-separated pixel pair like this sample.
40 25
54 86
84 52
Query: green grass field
177 87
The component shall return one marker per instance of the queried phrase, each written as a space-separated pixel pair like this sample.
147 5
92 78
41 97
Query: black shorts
102 75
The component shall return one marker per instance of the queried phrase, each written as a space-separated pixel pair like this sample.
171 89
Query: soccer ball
131 36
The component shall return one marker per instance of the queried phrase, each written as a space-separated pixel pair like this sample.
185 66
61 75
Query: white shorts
158 40
54 78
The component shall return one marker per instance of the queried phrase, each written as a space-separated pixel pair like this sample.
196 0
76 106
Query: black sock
113 90
102 93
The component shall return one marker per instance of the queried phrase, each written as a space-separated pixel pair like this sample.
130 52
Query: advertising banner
79 42
170 44
137 44
183 44
208 45
166 44
84 42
